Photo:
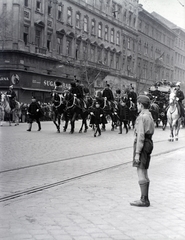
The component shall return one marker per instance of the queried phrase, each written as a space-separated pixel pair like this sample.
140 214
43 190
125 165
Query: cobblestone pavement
95 206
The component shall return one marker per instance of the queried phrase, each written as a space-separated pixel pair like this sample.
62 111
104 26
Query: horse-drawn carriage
159 95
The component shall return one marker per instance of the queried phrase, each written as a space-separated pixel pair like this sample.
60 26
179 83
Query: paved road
95 206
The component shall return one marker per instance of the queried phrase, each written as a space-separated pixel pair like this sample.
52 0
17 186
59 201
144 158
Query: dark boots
29 128
120 129
144 201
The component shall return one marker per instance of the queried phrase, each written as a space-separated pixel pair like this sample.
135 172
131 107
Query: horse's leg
66 125
177 128
59 121
54 120
10 118
16 118
73 123
171 139
81 126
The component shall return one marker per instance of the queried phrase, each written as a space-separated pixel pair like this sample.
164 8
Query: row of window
155 33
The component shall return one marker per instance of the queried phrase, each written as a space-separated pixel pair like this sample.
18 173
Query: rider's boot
39 126
29 129
120 129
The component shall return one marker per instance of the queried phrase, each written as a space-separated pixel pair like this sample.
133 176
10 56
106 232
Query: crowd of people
80 92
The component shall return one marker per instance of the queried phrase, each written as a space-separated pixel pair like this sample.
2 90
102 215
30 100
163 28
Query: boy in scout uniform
143 146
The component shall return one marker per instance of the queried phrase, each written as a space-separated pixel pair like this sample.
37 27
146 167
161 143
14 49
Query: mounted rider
180 98
132 95
107 92
12 96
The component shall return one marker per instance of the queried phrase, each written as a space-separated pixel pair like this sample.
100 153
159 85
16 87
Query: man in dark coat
132 95
12 95
107 92
79 87
34 113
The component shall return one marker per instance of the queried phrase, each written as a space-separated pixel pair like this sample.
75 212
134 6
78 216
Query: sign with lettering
4 80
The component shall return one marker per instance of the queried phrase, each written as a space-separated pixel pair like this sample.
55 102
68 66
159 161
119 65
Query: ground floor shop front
29 84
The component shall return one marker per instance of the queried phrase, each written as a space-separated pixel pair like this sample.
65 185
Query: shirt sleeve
140 135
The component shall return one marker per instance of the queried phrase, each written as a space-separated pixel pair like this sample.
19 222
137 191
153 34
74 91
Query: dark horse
154 109
75 108
58 107
109 110
132 113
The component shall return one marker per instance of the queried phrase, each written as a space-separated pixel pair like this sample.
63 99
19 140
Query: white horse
173 116
5 108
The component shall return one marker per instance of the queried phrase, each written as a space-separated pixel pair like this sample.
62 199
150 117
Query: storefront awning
36 89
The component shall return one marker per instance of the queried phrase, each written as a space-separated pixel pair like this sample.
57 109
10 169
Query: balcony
40 50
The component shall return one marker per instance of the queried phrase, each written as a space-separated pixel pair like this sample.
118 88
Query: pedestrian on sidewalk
34 113
143 146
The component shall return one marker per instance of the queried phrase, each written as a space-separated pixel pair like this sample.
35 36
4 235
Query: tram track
70 158
43 187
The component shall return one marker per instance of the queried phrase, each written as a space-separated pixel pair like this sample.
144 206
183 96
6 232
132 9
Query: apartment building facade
156 52
47 40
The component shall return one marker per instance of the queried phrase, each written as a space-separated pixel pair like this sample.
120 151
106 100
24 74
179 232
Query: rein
60 102
73 104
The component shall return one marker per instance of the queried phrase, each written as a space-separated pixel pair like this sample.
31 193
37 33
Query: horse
75 108
122 111
58 107
132 113
16 113
5 108
163 114
109 110
173 116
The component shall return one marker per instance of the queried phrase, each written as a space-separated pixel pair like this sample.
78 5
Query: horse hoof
176 139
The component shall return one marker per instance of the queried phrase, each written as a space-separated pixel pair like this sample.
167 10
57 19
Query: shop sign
4 81
4 78
35 83
49 83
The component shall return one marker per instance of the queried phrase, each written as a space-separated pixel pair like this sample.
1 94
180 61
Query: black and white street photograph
92 119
